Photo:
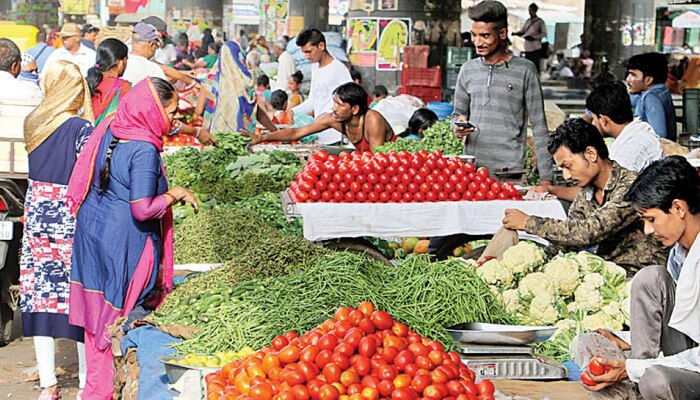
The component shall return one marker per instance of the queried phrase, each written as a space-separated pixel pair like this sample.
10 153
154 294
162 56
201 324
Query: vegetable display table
323 221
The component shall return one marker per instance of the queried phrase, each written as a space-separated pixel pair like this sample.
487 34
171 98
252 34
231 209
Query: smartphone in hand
465 125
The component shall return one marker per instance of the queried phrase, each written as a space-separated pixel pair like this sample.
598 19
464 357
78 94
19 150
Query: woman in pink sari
122 252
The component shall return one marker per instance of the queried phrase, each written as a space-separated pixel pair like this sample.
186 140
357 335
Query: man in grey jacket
497 93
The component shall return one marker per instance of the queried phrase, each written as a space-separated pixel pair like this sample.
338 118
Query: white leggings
44 346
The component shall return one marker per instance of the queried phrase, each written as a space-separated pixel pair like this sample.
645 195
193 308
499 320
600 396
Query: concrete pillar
619 29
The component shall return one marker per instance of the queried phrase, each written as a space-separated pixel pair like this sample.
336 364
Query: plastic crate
451 78
427 94
416 56
457 56
431 77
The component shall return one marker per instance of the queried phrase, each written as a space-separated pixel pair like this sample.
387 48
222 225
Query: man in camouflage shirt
599 218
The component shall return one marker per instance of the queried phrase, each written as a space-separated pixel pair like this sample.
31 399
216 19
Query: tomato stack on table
360 354
401 177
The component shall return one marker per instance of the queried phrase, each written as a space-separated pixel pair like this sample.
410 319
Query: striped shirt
498 99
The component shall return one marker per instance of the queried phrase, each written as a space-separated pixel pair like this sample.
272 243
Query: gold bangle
172 197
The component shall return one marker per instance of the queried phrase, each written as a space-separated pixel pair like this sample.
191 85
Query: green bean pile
428 297
437 137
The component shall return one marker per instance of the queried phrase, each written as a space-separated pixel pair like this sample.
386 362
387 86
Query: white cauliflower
614 311
572 307
494 289
494 272
523 257
564 325
625 309
599 320
535 284
590 262
511 300
542 310
587 297
594 279
611 270
564 274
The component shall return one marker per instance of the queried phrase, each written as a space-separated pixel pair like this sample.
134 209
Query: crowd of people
94 144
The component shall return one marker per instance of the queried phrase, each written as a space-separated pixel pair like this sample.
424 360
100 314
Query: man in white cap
72 50
286 66
145 40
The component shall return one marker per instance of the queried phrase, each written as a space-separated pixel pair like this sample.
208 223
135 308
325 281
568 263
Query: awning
689 19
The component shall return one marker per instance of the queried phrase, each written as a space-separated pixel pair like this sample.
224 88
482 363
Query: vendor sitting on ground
366 129
599 217
664 358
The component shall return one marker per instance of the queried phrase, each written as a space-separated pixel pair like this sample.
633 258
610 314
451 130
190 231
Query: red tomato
485 387
323 358
360 179
384 198
372 178
309 353
348 177
279 342
401 188
349 377
386 387
454 196
430 196
448 187
404 394
382 320
363 366
595 368
262 391
309 370
361 197
372 197
289 354
418 197
328 392
345 349
315 169
436 356
292 377
387 372
491 195
399 329
418 349
404 358
367 326
432 392
389 353
367 347
496 187
349 197
419 383
479 196
389 188
442 196
384 178
370 381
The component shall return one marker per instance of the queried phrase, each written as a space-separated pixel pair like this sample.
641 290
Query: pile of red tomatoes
360 354
401 177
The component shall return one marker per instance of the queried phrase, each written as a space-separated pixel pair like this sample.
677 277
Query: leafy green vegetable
437 137
269 207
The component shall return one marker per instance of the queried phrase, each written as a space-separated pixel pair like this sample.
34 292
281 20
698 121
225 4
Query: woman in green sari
106 86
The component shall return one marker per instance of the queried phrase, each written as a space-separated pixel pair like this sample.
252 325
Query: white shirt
166 55
323 82
685 318
84 58
139 68
13 88
636 147
285 69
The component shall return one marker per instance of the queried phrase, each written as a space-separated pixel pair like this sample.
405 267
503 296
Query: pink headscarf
139 117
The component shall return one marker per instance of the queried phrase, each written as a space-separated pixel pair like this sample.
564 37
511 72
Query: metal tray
175 371
479 333
467 158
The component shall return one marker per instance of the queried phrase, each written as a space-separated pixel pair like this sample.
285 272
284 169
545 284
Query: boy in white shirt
635 145
327 74
664 357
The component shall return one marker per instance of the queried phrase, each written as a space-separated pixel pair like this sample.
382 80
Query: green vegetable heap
437 137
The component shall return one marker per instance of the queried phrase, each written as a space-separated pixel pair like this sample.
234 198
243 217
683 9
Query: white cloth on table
324 221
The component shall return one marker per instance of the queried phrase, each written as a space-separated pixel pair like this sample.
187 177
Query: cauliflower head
494 272
523 257
542 310
589 262
588 297
511 300
564 325
594 279
614 311
564 273
599 320
611 269
535 284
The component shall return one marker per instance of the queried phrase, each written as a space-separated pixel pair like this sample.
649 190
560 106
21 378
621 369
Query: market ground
17 361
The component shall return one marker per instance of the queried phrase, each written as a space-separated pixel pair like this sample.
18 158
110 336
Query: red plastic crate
425 93
431 77
416 56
